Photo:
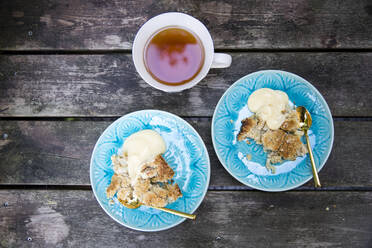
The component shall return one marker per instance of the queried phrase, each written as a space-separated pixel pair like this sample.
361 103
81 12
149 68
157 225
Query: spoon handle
315 173
175 212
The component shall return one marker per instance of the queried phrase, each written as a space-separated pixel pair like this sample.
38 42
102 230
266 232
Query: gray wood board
67 218
91 24
58 153
108 85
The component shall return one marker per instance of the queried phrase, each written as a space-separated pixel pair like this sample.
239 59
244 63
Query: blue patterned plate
232 109
186 154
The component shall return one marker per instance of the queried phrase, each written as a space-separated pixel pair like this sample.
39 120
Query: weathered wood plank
64 218
58 152
233 24
108 85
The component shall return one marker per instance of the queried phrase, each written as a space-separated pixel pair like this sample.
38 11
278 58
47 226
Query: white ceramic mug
172 19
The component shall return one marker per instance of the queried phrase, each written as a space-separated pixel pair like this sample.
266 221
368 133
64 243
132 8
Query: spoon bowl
305 117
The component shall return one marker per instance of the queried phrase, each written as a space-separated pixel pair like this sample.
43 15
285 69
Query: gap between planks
113 118
211 188
224 50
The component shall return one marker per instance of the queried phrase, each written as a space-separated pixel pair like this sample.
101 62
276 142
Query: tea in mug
174 56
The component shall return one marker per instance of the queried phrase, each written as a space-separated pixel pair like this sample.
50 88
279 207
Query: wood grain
108 85
66 218
58 153
92 24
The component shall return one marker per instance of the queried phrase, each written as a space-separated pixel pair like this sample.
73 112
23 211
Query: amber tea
174 56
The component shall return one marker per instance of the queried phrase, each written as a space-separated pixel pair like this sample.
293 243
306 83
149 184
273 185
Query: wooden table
66 73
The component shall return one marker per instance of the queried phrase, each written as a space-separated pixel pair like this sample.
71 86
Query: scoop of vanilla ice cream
269 105
140 148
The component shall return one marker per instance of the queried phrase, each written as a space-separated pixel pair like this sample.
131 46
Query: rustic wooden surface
45 153
62 218
94 24
66 73
108 85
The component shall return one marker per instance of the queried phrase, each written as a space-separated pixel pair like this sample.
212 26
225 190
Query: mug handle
221 60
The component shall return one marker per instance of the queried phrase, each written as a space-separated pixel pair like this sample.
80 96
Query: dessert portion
141 173
274 125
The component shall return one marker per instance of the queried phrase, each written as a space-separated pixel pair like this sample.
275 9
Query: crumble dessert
141 173
274 125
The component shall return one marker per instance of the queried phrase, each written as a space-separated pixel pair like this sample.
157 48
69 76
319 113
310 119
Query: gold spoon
305 123
137 204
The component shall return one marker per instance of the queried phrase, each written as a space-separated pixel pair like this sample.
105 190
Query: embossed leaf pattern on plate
231 153
186 154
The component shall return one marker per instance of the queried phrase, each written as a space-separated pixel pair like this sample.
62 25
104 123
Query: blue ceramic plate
232 109
186 154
